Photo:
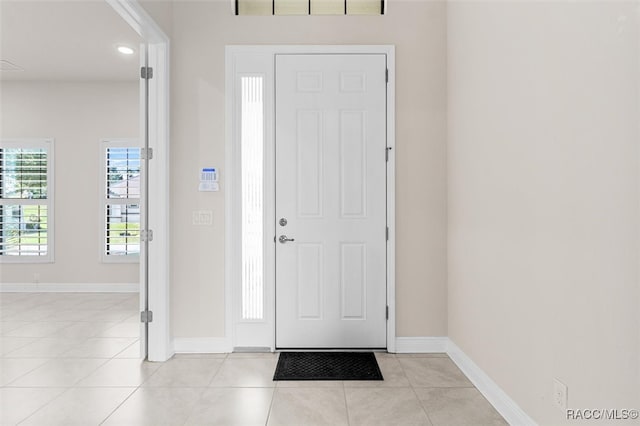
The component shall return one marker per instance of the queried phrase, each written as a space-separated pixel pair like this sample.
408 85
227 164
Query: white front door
331 201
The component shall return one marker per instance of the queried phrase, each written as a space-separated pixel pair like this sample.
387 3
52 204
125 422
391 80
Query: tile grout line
134 391
121 404
7 385
224 360
413 389
273 397
6 355
45 404
116 355
346 403
424 410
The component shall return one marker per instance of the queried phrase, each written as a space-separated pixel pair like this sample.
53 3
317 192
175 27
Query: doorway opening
154 217
75 98
304 159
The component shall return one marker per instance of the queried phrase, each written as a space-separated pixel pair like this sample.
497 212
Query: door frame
260 60
154 132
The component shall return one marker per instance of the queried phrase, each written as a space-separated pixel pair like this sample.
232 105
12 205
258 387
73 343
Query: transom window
121 200
310 7
26 200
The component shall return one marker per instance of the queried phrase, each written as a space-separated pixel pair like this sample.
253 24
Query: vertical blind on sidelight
252 158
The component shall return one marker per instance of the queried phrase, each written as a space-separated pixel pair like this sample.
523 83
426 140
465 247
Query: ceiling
65 41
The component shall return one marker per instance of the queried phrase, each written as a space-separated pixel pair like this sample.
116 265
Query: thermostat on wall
209 180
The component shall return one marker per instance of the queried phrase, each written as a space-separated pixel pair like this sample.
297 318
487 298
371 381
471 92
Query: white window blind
26 200
120 200
252 154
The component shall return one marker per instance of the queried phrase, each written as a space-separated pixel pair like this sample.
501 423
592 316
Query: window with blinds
26 200
121 200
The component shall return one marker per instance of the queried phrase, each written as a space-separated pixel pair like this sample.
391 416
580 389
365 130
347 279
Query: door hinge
386 153
387 233
387 314
386 75
146 235
146 317
146 73
146 153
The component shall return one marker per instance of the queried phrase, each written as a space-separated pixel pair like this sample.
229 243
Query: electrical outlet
560 394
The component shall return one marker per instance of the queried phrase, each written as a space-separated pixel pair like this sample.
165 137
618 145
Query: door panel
353 279
331 189
309 281
353 164
309 163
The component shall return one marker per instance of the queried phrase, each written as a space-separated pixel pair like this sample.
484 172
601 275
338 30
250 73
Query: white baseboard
421 344
202 345
506 406
69 288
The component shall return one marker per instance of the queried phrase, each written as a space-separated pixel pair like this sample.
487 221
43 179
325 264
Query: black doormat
327 366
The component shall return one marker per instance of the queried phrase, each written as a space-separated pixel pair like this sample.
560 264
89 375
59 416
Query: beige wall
199 32
541 167
544 199
77 116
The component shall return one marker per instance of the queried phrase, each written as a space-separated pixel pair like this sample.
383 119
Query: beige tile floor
72 359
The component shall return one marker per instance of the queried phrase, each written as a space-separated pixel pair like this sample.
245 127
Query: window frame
104 201
49 145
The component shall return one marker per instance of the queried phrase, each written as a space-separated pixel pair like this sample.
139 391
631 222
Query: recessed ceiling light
125 50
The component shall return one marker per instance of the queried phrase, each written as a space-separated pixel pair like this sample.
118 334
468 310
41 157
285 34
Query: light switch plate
202 217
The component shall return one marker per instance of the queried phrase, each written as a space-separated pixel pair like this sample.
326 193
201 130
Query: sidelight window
252 160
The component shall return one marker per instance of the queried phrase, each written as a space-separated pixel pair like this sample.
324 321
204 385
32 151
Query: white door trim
156 46
235 55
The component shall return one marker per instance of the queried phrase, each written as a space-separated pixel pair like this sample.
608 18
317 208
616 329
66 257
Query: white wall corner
506 406
406 345
69 287
202 345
